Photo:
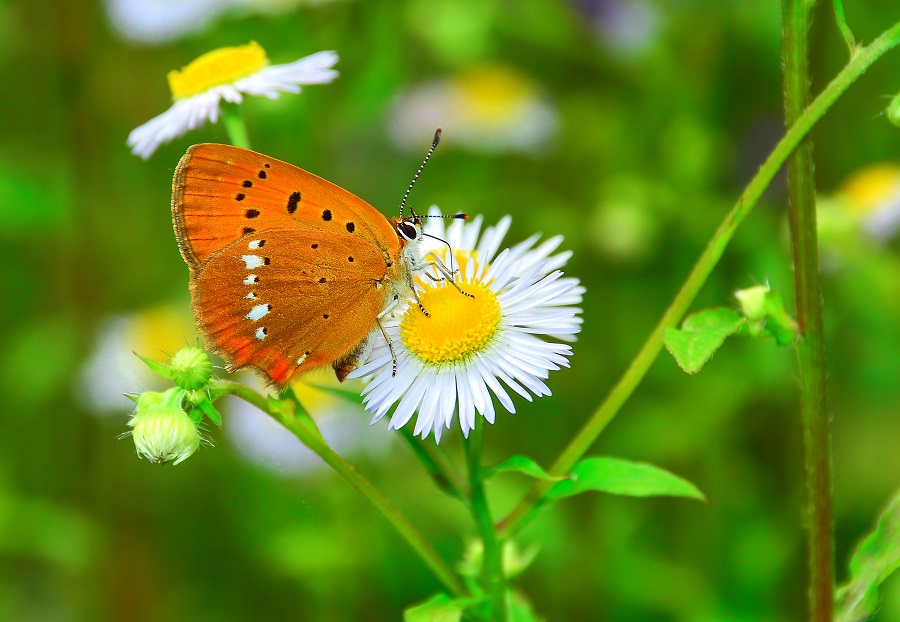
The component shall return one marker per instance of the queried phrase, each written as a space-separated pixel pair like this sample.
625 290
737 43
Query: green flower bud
162 431
753 301
893 111
190 368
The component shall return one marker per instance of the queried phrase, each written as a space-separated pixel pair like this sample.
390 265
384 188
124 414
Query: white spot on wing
250 280
251 296
252 261
258 312
260 333
254 244
301 359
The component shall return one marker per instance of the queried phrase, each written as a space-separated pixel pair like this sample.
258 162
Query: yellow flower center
215 68
459 325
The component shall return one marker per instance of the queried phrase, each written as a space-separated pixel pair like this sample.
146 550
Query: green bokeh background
657 134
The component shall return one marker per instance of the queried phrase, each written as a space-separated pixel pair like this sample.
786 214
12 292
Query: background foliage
663 110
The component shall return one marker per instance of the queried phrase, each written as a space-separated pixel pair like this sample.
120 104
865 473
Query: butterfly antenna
434 144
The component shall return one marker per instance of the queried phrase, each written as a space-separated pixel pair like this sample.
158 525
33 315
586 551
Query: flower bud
162 431
893 111
753 301
190 368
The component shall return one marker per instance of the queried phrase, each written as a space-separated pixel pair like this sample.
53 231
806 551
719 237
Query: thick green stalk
233 120
310 437
701 270
492 575
811 343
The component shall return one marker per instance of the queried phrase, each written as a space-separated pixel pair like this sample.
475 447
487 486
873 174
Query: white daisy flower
225 73
456 359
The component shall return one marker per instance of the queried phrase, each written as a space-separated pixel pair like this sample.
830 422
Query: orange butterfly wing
285 301
221 193
288 271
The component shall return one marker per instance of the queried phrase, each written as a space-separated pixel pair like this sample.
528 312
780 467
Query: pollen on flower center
217 67
459 325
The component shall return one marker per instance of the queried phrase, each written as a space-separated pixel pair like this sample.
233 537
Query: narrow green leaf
196 415
520 464
352 396
438 608
211 412
623 477
157 368
700 335
876 557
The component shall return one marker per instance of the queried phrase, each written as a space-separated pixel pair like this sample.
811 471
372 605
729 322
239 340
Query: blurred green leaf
211 412
156 367
877 556
520 609
700 335
623 477
439 608
520 464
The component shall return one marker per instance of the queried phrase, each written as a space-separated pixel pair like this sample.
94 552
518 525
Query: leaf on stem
700 335
876 557
439 608
623 477
520 464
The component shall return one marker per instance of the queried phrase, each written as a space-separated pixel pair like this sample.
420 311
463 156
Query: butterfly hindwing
285 301
223 193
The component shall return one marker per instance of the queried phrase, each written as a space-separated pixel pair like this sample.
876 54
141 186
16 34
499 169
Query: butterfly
289 272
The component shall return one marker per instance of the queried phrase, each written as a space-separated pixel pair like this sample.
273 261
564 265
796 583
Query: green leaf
520 464
211 412
877 556
196 415
623 477
439 608
157 368
520 609
779 323
700 335
352 396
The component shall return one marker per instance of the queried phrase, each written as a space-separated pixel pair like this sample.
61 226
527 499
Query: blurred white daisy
454 360
492 108
873 194
112 369
264 441
225 74
159 21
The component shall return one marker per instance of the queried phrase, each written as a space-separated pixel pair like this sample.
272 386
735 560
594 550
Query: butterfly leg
440 267
390 347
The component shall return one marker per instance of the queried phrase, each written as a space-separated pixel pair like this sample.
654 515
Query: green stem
438 465
233 120
811 344
283 412
492 569
626 385
844 27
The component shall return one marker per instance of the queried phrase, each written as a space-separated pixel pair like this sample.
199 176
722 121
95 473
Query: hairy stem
310 437
492 568
811 343
701 270
233 120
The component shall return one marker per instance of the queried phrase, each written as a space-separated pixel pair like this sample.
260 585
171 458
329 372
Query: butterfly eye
408 230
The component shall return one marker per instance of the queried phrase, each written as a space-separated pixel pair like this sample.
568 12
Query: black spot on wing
293 201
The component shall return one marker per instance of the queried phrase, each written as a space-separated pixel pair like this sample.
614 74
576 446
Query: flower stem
438 465
310 437
492 569
626 385
811 344
233 120
844 27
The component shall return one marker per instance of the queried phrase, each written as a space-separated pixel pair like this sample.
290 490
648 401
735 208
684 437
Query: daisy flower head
225 74
471 349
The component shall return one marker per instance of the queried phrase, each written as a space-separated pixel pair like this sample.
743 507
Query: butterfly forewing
286 300
223 193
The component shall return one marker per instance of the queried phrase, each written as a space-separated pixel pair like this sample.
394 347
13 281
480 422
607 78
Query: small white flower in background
873 195
264 441
453 361
112 369
158 21
490 109
225 74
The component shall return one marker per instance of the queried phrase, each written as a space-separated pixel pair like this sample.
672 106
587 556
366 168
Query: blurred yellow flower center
872 187
459 325
215 68
491 93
